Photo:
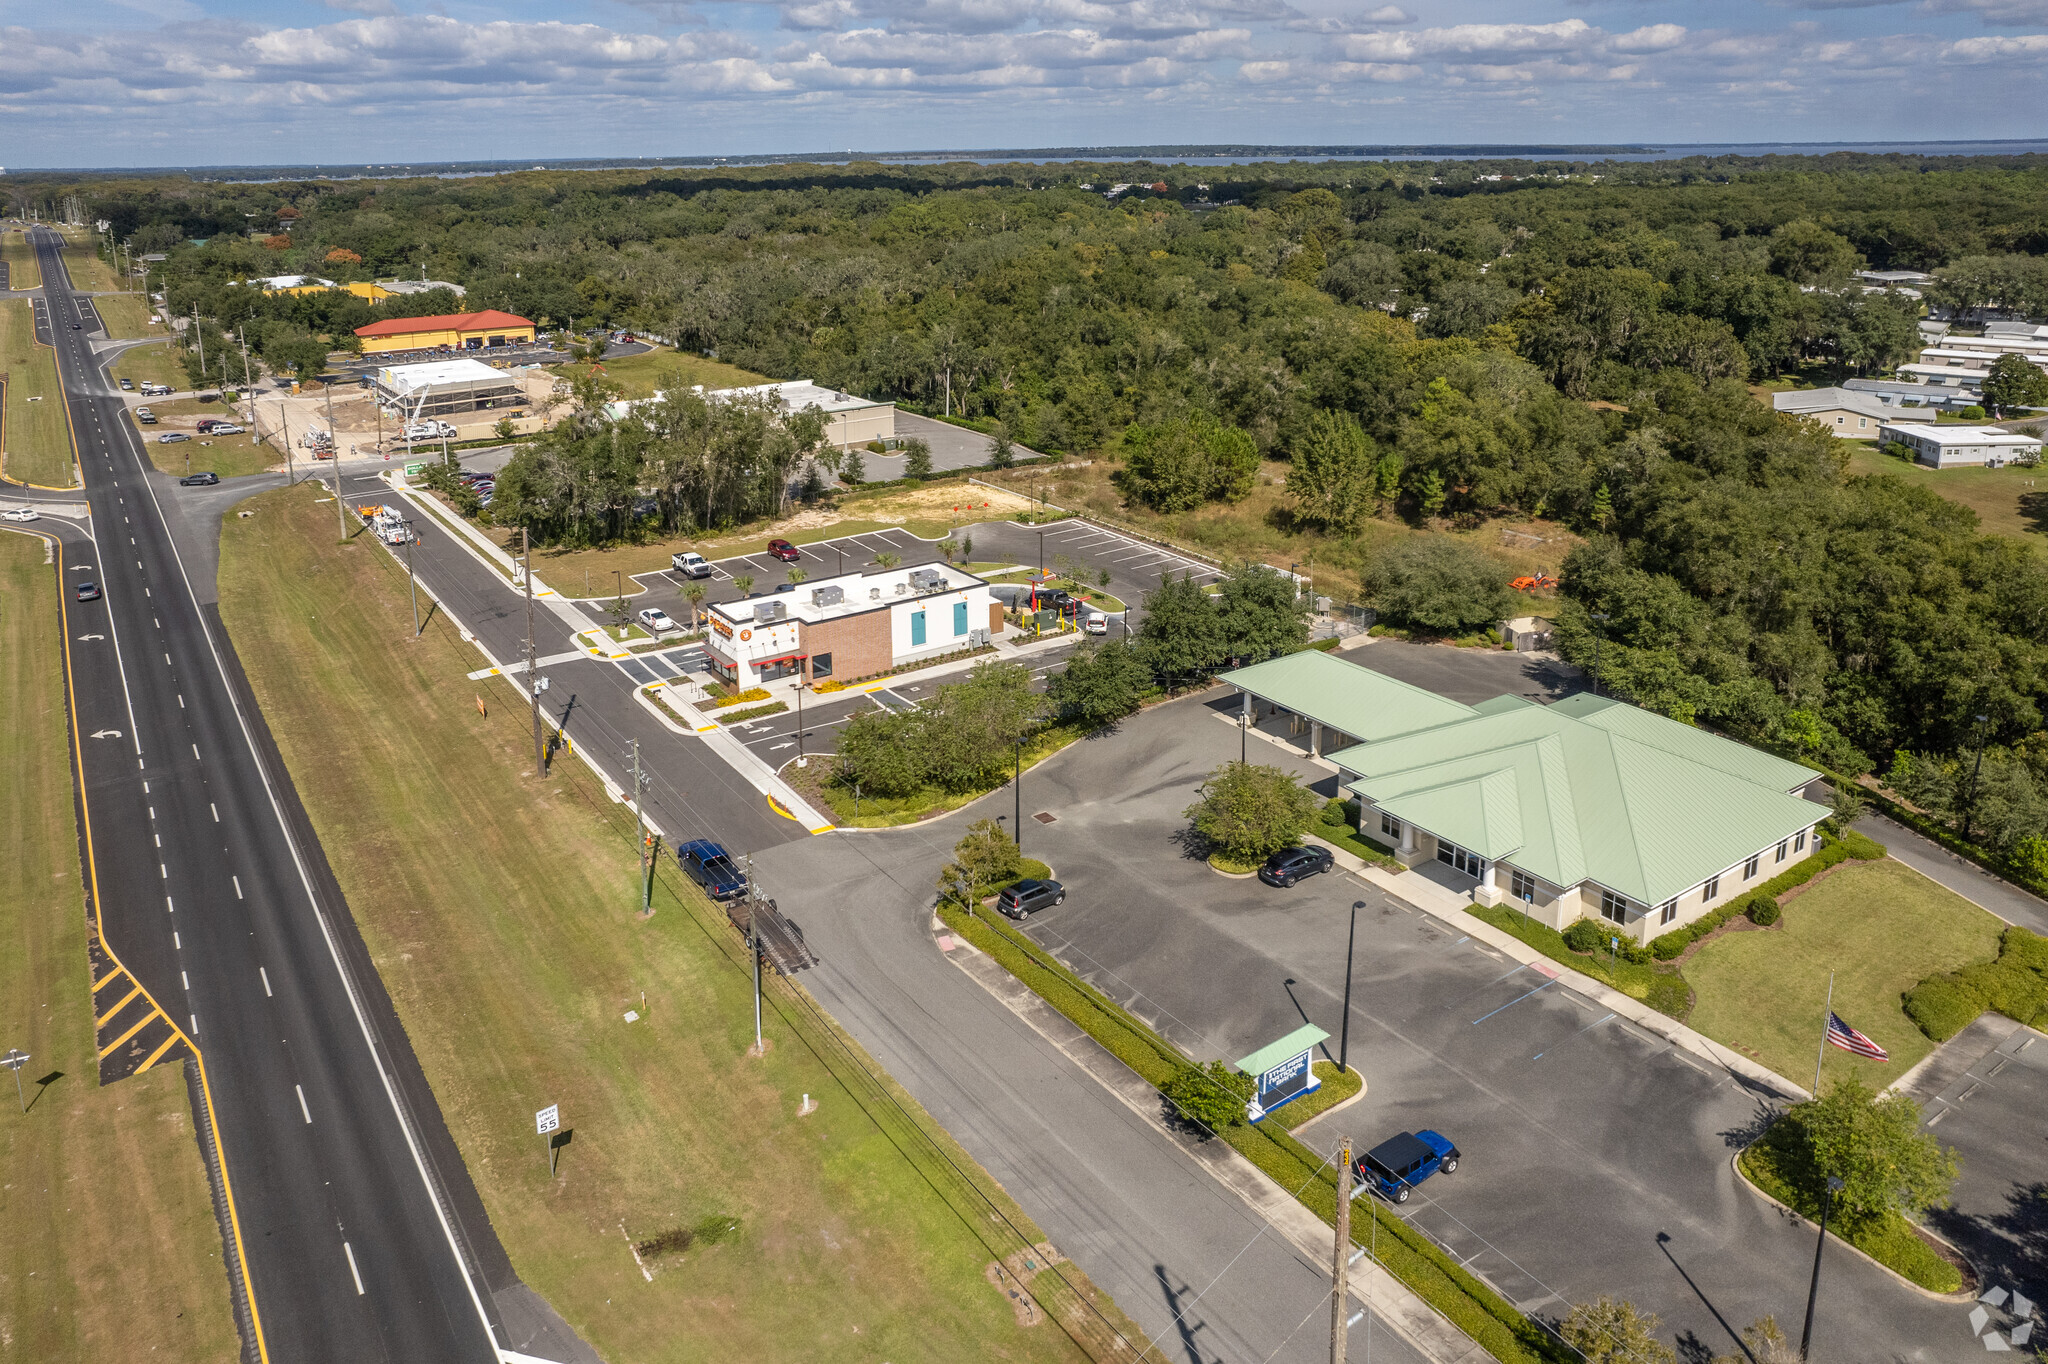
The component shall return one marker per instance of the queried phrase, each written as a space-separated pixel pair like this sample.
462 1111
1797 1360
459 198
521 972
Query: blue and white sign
1283 1070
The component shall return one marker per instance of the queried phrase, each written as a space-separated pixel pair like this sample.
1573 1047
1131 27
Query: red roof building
456 331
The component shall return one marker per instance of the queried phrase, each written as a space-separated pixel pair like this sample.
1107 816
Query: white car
1096 624
19 514
656 620
226 429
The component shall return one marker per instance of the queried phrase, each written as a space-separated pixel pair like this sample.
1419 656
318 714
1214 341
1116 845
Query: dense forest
1429 343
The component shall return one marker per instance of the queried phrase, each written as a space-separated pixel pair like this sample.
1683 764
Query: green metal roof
1343 696
1588 789
1286 1049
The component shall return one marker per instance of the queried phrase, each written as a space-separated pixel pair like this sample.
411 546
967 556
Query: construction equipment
1533 581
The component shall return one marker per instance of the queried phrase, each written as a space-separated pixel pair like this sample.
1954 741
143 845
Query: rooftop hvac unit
827 596
901 588
874 594
927 580
770 611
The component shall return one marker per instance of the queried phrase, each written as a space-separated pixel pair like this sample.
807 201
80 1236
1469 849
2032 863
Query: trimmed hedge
745 713
1761 904
1636 979
2015 983
1475 1309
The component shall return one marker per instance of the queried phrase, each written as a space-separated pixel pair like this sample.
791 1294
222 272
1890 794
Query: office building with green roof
1586 808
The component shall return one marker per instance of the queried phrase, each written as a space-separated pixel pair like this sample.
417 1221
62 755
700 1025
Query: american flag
1848 1039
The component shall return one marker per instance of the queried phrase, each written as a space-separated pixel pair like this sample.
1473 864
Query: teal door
916 628
959 618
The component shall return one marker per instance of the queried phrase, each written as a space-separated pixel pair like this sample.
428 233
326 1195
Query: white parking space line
353 1273
302 1104
266 983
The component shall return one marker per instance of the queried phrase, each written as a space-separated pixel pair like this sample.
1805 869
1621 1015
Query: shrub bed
1337 1086
1775 1165
733 699
1660 987
2015 983
1475 1309
734 717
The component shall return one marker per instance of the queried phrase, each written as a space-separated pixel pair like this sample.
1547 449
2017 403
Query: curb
1959 1296
1394 1304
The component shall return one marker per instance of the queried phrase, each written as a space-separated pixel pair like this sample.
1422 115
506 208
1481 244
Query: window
1471 863
959 618
821 665
1389 825
1712 889
1749 869
1781 849
916 629
1667 912
1524 885
1799 842
1613 908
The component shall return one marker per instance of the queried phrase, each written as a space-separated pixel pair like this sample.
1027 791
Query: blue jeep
1398 1164
712 868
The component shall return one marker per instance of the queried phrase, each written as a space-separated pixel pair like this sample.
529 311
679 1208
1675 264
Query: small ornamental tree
917 458
853 470
1001 452
1099 686
984 859
1213 1096
1612 1331
1874 1145
1248 811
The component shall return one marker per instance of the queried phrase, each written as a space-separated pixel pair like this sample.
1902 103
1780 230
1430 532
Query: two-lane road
351 1230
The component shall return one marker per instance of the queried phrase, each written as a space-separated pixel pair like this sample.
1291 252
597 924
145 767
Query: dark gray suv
1029 896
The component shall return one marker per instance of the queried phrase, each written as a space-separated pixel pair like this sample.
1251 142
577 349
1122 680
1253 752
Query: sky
226 82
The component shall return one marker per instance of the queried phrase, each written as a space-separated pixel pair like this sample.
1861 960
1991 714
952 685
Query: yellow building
453 331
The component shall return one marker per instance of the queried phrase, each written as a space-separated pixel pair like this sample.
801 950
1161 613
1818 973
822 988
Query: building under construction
416 392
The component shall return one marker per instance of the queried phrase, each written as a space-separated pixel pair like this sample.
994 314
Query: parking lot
1597 1156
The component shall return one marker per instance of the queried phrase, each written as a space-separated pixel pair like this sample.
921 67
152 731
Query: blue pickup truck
1398 1164
711 867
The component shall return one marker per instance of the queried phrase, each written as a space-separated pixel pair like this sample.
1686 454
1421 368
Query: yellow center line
107 1049
101 1021
154 1056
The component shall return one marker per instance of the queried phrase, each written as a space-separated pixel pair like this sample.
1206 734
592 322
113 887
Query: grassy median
24 271
163 364
1881 928
33 432
500 912
127 317
111 1250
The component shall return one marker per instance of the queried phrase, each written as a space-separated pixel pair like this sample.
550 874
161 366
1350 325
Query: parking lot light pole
1017 791
1344 1033
1827 1205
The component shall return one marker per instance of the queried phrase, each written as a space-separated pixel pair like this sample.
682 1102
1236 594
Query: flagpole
1822 1049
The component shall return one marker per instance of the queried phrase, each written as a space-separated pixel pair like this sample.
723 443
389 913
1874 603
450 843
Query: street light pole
1017 791
1970 812
1813 1289
414 583
540 755
1344 1034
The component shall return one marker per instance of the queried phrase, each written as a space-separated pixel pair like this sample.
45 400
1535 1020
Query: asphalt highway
351 1230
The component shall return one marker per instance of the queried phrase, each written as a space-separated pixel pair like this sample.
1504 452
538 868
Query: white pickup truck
429 431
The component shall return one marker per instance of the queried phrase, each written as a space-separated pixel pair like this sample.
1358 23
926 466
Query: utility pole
201 338
754 945
410 536
284 426
540 757
639 820
14 1060
1340 1257
1976 769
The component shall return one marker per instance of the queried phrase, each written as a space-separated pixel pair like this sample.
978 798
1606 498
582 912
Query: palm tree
886 560
694 595
796 575
745 583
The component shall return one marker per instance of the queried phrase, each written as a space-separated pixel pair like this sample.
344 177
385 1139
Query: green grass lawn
111 1250
2010 501
88 269
230 456
34 435
1880 927
127 317
499 911
873 812
642 376
24 271
163 364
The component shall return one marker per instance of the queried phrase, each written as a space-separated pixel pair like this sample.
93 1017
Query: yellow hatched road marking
108 1049
101 1021
96 985
156 1055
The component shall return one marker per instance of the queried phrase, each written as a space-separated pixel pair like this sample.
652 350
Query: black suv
1289 865
205 479
1029 896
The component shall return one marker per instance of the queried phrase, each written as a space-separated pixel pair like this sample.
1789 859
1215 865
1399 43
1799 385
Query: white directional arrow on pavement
106 734
83 638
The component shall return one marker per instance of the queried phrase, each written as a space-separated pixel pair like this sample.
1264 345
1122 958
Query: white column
1315 738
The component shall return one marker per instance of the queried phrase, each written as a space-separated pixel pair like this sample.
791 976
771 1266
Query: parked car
656 620
1289 865
128 385
19 514
205 478
88 591
173 437
145 416
711 867
1029 896
155 390
690 564
783 550
206 424
1399 1163
1096 624
227 429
